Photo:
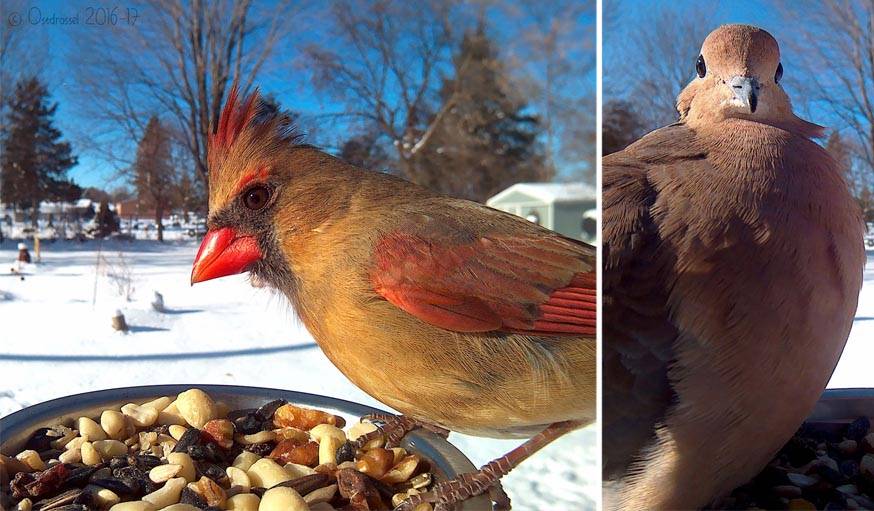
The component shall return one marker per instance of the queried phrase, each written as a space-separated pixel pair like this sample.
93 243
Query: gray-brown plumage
732 266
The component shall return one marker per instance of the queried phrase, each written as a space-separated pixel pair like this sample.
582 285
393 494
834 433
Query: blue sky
766 14
291 88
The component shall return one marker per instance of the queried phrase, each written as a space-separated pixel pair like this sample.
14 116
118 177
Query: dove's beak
746 90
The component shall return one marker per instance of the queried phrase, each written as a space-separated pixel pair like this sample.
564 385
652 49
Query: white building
567 208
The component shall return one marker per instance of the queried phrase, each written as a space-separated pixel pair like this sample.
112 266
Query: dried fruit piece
289 451
210 491
291 434
48 481
291 416
358 488
220 431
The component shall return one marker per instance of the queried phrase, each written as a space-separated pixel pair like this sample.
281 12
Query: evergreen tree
154 175
485 140
106 220
34 160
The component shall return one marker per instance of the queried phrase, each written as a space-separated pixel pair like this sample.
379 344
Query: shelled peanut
189 452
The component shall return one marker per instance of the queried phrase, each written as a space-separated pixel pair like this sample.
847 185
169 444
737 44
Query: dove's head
739 75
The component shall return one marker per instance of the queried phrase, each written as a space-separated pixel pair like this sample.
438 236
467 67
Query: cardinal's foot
444 495
393 428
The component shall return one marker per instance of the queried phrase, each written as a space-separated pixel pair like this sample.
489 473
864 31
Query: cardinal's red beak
222 253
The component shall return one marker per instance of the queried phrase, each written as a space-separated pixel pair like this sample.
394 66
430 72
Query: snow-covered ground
56 340
854 368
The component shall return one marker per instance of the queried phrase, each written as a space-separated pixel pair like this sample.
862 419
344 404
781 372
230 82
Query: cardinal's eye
779 74
700 66
256 198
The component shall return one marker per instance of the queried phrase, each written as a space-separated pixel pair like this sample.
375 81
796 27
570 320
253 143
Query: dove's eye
700 66
256 198
779 74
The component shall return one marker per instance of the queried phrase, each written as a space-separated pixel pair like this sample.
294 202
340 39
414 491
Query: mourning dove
733 261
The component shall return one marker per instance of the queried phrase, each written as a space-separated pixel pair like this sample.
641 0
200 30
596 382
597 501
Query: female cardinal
457 315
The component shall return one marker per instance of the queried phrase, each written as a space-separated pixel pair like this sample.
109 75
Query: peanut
321 495
243 502
109 448
90 430
114 424
90 456
265 473
141 416
256 438
71 456
402 471
196 407
31 459
159 404
167 494
170 416
187 472
282 499
102 497
163 473
239 478
245 460
134 506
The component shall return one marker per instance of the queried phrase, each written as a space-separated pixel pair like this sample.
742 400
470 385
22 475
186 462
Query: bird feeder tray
446 460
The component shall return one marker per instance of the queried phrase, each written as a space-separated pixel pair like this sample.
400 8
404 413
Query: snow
56 340
854 368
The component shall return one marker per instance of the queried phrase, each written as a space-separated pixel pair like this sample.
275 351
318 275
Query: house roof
549 193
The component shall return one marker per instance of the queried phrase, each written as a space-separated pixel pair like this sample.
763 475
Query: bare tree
657 58
554 53
153 172
833 69
621 125
180 59
384 61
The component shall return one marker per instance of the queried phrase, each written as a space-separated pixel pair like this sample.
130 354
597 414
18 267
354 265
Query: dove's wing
638 333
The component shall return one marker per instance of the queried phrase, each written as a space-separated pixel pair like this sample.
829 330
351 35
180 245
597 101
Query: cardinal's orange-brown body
487 383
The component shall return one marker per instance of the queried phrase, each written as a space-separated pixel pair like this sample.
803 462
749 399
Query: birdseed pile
191 453
821 467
